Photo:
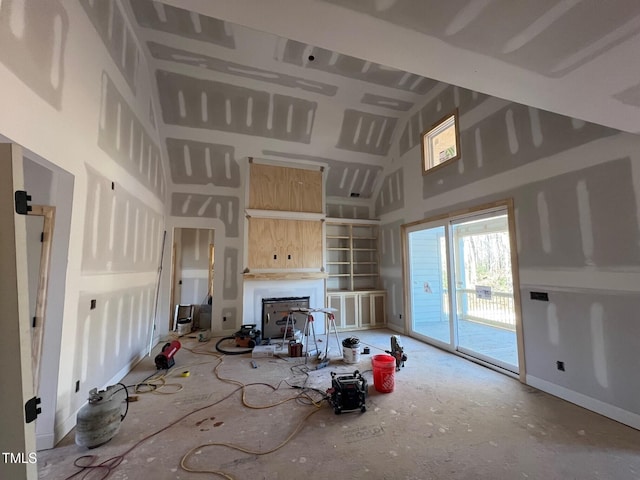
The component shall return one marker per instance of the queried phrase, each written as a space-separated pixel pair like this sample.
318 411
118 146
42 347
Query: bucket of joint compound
184 326
351 350
384 370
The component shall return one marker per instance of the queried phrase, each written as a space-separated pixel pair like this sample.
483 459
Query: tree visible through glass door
485 312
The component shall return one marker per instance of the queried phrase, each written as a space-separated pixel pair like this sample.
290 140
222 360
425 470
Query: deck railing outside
498 310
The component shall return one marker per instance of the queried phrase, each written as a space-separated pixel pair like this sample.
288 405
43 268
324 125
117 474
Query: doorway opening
461 286
192 275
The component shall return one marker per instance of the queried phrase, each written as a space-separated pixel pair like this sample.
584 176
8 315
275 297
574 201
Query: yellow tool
186 373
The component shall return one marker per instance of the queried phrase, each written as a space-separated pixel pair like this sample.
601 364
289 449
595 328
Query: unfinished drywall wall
78 99
112 335
391 194
200 163
178 21
123 136
187 57
576 193
298 53
121 232
223 207
117 35
26 28
517 41
366 132
193 102
342 210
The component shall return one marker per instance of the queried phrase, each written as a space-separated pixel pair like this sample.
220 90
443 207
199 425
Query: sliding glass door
428 279
461 294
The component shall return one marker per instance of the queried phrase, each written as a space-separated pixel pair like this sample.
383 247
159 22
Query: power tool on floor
347 392
397 352
165 360
248 336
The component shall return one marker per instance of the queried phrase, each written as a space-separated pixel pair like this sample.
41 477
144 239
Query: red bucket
384 371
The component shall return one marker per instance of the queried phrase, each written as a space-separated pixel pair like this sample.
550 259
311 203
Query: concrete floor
447 418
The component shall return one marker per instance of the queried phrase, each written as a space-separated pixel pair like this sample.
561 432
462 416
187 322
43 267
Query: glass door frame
451 300
446 220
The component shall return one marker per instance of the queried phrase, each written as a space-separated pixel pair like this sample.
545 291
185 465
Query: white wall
55 73
576 193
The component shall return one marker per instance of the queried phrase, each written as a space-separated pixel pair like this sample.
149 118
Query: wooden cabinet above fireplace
272 187
284 223
280 243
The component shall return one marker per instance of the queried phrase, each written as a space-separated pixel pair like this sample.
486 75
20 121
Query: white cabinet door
347 304
364 303
378 309
372 309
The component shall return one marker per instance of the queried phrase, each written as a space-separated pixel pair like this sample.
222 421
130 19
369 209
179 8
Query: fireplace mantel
284 275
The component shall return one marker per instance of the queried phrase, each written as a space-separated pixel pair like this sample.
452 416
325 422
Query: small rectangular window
441 143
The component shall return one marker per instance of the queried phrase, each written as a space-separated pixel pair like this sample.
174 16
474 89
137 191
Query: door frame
16 376
49 214
459 214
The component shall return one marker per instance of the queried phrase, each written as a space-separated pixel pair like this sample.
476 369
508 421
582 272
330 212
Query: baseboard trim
65 426
395 328
45 441
611 411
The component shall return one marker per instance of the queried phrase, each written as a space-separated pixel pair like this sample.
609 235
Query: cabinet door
335 301
267 241
268 187
279 243
378 309
312 243
351 310
364 302
285 189
347 306
305 190
294 246
303 245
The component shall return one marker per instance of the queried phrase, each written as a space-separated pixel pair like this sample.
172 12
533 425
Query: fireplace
274 315
255 291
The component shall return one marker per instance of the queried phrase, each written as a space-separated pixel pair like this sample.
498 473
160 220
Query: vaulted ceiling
331 81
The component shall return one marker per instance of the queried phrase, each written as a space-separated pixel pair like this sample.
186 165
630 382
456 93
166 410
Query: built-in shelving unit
353 281
352 256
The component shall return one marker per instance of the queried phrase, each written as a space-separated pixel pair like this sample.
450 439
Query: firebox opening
275 312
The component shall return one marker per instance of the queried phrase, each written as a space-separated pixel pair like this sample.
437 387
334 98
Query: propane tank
99 420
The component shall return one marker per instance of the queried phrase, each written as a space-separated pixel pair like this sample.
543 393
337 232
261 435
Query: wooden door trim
37 332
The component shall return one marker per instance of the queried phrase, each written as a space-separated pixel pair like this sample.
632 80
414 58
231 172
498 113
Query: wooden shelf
352 256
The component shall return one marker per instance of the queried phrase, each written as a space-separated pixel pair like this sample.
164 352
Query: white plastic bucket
351 354
184 326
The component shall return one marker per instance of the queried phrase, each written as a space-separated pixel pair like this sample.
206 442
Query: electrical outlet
542 296
400 316
560 365
224 319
